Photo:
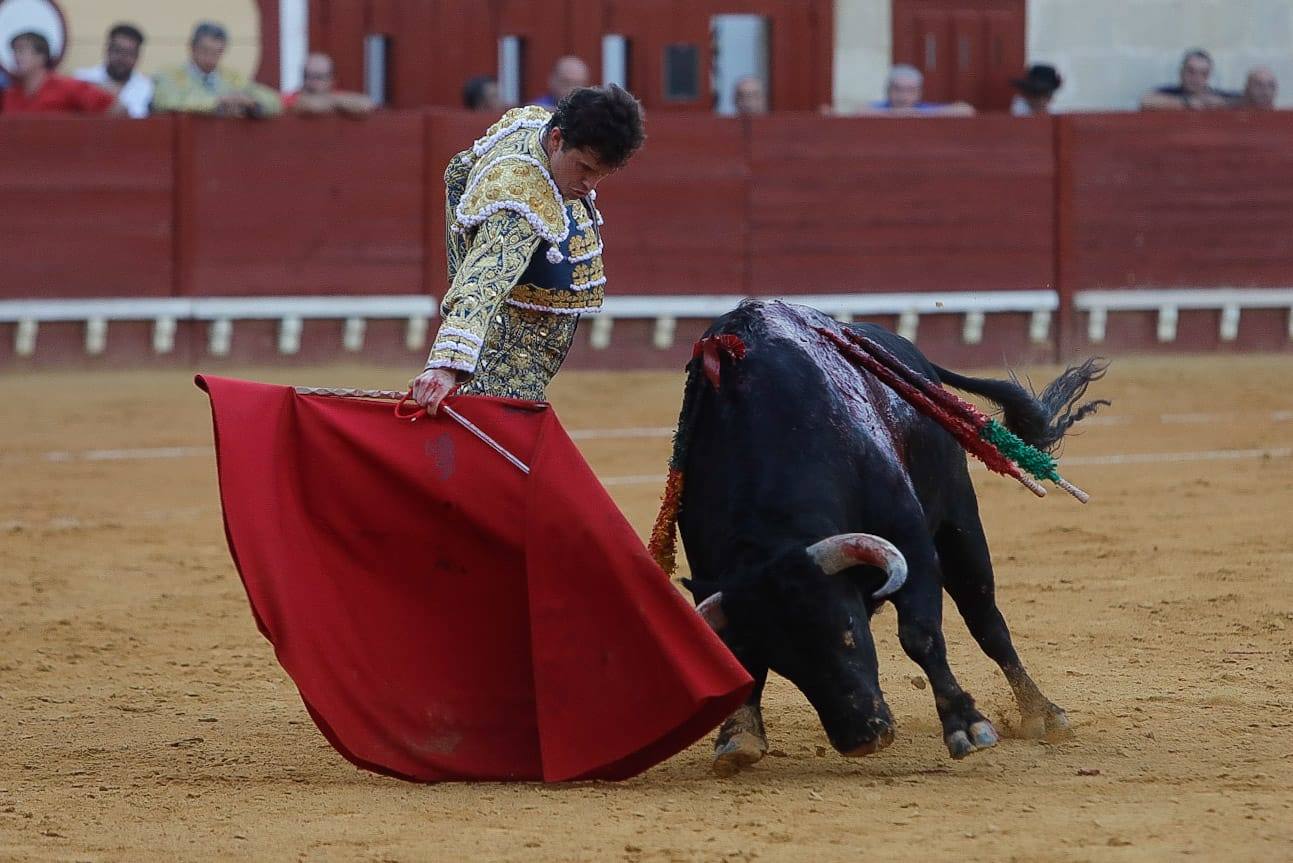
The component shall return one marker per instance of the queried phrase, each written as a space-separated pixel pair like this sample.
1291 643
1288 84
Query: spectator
481 94
903 91
1035 91
317 95
750 96
1259 90
117 74
569 73
35 88
1193 92
201 87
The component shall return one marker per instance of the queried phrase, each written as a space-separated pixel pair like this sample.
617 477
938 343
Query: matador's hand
430 388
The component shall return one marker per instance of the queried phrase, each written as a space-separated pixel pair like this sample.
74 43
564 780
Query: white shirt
136 95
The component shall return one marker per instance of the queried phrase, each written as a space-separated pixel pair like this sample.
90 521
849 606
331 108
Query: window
511 61
615 60
740 51
681 73
377 67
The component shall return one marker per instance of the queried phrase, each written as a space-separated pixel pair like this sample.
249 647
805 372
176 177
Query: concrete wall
863 45
167 25
1111 51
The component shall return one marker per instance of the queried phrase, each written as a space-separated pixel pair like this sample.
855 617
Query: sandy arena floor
146 719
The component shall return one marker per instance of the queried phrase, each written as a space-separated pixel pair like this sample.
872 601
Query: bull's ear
712 612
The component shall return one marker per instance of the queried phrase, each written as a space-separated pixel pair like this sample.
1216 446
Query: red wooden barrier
86 207
1176 201
447 134
782 204
1182 201
885 205
676 220
297 206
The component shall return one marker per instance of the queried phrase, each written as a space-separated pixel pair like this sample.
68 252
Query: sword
401 397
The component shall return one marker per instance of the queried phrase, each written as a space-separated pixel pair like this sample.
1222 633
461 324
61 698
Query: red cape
445 616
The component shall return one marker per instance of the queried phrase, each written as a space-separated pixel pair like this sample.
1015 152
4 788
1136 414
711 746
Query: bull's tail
663 544
1038 419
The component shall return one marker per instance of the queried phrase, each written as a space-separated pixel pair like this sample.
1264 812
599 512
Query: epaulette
509 178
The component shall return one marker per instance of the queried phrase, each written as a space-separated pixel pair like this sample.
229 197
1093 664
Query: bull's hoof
981 736
739 752
958 744
871 746
741 741
1047 723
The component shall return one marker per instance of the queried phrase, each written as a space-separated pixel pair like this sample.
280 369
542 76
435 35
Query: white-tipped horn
712 612
837 553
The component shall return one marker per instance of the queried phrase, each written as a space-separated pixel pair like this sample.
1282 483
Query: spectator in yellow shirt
202 87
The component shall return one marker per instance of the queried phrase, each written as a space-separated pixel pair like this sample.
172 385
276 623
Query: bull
813 494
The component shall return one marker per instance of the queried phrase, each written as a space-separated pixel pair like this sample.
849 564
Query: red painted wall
870 205
784 204
304 207
436 45
86 207
1182 201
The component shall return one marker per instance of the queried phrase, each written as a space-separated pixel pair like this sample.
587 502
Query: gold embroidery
524 350
514 173
582 244
584 301
586 273
499 252
526 114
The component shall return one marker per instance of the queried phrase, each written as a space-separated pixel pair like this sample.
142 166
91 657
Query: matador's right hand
430 388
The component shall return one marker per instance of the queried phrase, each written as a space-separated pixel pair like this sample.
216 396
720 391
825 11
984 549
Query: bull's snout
864 734
872 746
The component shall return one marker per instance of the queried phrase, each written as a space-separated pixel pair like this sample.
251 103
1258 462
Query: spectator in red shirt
36 88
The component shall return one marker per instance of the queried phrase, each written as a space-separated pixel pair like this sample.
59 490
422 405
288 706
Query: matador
524 244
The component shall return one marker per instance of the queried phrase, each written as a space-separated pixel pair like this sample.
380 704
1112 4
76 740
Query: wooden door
968 50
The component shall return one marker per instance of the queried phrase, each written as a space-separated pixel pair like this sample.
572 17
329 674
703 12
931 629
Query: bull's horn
712 611
837 553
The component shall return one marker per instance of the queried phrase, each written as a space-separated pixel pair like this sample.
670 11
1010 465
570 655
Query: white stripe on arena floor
1072 461
71 523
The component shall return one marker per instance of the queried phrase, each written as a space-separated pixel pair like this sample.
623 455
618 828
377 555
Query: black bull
796 446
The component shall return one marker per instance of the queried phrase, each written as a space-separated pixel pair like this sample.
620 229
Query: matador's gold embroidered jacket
523 263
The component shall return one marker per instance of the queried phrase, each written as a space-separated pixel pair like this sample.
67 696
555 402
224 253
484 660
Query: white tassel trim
450 364
588 286
534 307
579 259
516 206
462 334
468 351
554 255
484 145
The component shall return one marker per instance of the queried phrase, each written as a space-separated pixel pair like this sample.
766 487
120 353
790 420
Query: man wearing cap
1035 91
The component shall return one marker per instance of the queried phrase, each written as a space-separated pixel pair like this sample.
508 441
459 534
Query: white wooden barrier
1168 304
221 313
